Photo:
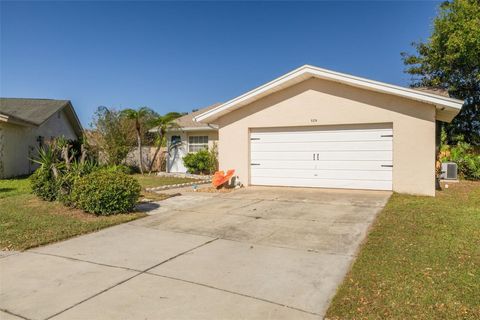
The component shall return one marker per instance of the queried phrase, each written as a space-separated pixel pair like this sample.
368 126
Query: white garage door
347 158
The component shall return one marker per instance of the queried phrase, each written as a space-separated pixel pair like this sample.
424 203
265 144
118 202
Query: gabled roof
186 122
35 112
447 108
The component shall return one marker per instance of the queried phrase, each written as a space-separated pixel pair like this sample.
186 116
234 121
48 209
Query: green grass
151 181
421 260
27 222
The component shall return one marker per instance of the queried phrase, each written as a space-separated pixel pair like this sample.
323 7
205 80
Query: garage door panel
323 155
373 145
347 158
332 165
323 136
385 175
324 183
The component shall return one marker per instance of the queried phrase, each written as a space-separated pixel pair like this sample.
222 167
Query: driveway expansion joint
130 278
86 261
232 292
14 314
309 250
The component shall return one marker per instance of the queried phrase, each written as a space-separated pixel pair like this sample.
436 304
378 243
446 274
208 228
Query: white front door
344 158
177 149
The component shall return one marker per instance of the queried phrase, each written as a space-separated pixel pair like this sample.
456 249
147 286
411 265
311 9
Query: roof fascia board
389 88
311 71
13 120
76 121
209 128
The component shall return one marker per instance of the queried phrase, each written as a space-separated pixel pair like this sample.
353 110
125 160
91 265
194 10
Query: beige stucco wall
316 103
20 142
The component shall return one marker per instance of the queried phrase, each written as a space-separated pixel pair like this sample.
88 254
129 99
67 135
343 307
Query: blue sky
176 56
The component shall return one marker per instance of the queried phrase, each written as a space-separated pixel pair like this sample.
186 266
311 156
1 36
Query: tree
139 118
162 124
112 135
450 60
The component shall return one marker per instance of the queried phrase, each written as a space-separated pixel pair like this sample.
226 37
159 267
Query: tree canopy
140 117
450 60
112 135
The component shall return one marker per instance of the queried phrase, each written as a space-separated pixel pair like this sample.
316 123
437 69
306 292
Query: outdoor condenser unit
449 171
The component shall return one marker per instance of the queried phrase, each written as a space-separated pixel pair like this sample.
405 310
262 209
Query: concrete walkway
256 253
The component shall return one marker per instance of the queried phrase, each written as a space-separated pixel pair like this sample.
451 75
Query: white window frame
201 143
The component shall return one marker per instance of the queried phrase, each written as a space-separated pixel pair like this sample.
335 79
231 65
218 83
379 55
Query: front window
197 143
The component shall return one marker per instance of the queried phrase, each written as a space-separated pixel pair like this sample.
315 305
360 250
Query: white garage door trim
325 158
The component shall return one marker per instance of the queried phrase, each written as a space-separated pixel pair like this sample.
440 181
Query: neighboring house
318 128
191 136
26 124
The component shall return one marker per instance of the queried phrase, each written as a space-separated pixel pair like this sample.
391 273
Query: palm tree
162 124
140 116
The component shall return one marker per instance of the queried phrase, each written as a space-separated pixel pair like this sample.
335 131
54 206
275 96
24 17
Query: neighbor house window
41 141
197 143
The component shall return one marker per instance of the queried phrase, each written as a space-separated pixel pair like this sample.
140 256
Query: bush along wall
467 160
464 155
202 162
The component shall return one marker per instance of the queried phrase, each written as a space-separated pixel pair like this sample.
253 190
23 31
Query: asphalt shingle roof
35 111
187 120
439 91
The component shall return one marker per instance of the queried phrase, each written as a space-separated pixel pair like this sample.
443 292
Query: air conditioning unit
449 171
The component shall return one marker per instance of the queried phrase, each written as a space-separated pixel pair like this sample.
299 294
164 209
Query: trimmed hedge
106 192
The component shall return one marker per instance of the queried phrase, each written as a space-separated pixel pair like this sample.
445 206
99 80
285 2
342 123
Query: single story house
314 127
26 124
189 136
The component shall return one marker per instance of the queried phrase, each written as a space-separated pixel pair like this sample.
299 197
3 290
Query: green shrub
43 182
200 162
467 160
104 193
44 185
68 177
80 182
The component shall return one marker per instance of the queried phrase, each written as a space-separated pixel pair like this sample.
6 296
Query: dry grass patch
421 260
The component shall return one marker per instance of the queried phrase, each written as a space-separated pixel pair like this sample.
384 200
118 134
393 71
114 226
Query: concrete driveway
256 253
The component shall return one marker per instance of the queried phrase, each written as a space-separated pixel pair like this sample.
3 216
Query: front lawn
26 221
150 181
421 260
